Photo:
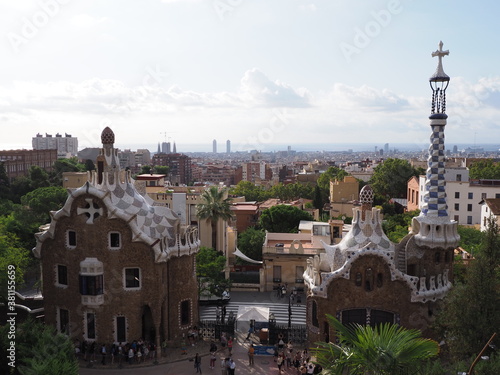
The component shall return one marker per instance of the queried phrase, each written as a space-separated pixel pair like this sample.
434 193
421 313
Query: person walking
197 363
251 354
213 358
103 354
223 366
232 366
230 345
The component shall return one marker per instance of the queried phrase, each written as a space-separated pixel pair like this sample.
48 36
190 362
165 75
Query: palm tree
386 349
213 208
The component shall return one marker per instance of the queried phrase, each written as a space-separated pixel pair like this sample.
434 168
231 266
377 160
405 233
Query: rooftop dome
107 136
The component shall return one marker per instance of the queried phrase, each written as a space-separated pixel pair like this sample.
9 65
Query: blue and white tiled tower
433 228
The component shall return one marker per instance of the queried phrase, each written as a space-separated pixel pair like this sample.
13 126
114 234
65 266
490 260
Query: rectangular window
91 285
299 274
121 329
483 195
469 219
277 274
185 313
62 275
456 217
459 177
457 195
71 238
90 326
457 207
497 195
114 240
470 195
132 278
469 207
64 321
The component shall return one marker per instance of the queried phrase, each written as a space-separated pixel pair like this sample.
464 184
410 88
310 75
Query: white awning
239 254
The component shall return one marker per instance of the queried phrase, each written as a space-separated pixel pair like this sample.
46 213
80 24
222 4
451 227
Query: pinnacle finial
440 75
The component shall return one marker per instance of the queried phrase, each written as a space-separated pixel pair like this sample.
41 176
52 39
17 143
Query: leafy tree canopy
210 266
470 315
11 253
250 191
390 178
43 200
250 242
283 219
332 173
40 350
162 169
485 169
396 226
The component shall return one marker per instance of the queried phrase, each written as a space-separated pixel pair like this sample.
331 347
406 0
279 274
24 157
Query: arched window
368 279
359 279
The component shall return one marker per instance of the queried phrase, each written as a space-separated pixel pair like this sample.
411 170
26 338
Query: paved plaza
176 363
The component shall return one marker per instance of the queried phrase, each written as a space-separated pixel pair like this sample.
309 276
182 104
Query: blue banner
263 350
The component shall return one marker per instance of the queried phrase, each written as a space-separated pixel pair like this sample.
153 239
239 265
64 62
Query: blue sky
257 72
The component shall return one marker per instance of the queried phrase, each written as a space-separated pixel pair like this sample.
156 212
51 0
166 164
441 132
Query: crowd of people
138 351
286 358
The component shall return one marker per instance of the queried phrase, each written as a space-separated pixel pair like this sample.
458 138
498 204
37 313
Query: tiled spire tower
433 227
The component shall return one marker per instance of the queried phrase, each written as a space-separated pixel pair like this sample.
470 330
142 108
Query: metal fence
296 333
212 330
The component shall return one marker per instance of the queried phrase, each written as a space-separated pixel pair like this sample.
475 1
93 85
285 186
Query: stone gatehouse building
115 266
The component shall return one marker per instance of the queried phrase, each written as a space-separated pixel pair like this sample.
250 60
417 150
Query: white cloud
258 89
343 114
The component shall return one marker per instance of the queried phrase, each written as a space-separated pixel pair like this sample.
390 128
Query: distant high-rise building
64 145
214 146
386 148
455 149
228 146
159 150
165 147
175 149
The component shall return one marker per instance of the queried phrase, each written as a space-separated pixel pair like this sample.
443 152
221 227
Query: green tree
210 266
283 219
89 165
162 169
12 253
318 199
146 169
390 178
470 314
396 226
43 200
214 207
386 349
250 242
4 183
485 169
64 165
251 192
40 350
38 177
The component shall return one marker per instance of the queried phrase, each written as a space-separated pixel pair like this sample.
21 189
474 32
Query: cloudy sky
257 72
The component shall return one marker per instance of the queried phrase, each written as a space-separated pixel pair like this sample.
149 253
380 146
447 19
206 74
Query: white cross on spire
440 54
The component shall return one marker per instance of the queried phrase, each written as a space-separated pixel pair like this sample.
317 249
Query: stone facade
115 267
367 279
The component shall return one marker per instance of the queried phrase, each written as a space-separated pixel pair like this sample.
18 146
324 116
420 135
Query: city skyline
258 73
